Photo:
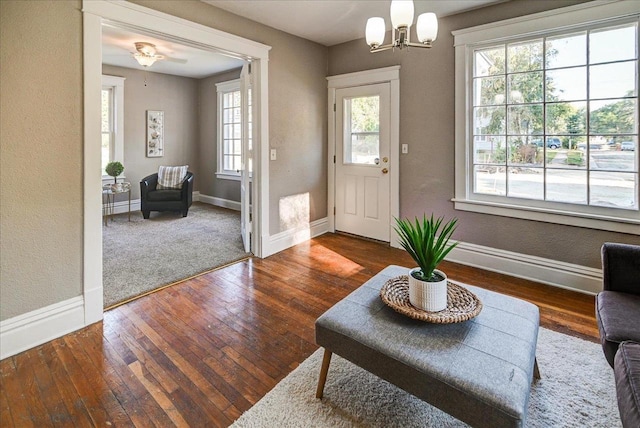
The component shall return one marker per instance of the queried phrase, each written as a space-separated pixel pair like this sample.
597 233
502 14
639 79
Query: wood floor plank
201 352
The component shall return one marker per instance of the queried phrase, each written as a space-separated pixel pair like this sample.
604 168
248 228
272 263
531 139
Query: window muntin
550 116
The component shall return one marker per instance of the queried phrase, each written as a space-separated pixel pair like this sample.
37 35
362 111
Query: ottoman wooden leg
536 370
323 373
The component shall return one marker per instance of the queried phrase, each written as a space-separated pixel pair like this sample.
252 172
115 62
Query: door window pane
362 142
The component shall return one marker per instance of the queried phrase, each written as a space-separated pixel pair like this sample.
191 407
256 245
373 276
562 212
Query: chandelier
401 12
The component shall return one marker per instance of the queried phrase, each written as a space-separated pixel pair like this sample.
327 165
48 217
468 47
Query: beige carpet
576 390
143 255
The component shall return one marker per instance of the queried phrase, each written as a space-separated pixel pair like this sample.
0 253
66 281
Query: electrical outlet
273 154
405 149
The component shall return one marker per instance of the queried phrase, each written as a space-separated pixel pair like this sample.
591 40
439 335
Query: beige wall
427 125
210 185
178 98
297 104
40 154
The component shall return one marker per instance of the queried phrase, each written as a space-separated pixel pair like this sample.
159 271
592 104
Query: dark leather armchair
152 199
618 315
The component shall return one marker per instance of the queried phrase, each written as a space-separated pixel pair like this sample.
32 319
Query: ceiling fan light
401 13
144 60
427 27
375 31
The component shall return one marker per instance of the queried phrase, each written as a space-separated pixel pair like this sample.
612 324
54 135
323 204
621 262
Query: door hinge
334 210
334 158
334 107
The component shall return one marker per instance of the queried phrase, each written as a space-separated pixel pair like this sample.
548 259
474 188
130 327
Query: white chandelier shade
144 60
401 12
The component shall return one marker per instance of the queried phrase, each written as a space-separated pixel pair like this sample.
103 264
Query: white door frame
95 12
360 78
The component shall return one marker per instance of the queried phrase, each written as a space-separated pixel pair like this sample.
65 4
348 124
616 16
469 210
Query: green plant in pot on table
114 169
427 242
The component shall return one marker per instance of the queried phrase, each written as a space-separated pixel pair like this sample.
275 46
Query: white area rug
576 390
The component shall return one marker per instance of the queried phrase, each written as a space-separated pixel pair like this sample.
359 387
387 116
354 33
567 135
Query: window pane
237 131
615 156
106 153
228 100
613 80
526 183
237 115
566 159
489 180
567 84
489 120
522 153
489 150
613 116
237 147
612 44
525 88
489 62
228 163
489 91
227 115
365 114
566 50
567 186
524 56
525 120
106 110
614 189
363 144
566 118
227 131
237 99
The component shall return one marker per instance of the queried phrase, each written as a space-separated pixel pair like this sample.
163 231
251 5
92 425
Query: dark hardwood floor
203 351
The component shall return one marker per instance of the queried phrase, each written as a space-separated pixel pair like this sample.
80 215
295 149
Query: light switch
273 154
405 149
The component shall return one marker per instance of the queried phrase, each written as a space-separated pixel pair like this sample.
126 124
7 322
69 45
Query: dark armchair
618 316
152 199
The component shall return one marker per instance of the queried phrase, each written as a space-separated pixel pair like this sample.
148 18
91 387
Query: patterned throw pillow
171 177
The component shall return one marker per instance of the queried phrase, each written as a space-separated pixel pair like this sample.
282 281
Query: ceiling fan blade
177 60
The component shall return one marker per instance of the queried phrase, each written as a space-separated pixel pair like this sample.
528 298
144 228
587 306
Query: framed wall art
155 133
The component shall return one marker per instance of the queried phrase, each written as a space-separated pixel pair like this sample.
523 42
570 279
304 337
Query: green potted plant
427 245
114 169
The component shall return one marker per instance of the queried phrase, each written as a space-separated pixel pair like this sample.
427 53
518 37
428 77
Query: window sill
228 176
610 223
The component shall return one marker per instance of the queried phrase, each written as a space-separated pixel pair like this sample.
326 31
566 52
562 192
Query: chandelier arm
382 48
420 45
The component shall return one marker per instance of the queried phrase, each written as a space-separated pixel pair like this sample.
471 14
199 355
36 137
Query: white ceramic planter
428 296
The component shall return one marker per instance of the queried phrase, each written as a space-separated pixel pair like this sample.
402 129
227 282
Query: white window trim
221 89
617 220
116 84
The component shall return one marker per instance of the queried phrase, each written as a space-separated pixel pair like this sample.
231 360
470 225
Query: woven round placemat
462 305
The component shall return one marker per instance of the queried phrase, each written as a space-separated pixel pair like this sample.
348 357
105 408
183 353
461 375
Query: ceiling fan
147 54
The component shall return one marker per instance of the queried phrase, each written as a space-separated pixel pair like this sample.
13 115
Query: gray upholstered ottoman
479 371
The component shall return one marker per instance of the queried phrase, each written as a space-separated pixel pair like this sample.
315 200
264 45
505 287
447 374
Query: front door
246 107
363 161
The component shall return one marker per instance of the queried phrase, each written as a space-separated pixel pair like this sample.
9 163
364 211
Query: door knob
385 170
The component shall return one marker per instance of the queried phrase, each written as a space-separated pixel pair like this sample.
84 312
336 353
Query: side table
109 193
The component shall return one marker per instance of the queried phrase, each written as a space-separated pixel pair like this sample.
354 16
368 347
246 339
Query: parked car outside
627 146
552 143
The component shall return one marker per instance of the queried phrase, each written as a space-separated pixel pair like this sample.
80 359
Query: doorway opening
166 27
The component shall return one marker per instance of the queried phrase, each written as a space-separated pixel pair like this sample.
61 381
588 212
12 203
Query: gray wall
40 154
297 104
427 125
210 185
41 141
178 98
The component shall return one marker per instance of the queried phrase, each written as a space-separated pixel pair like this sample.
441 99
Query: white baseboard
40 326
289 238
559 274
219 202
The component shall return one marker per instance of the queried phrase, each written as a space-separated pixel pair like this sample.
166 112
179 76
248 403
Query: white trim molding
283 240
34 328
552 272
220 202
360 78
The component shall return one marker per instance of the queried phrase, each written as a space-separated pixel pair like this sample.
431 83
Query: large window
112 121
230 128
552 121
